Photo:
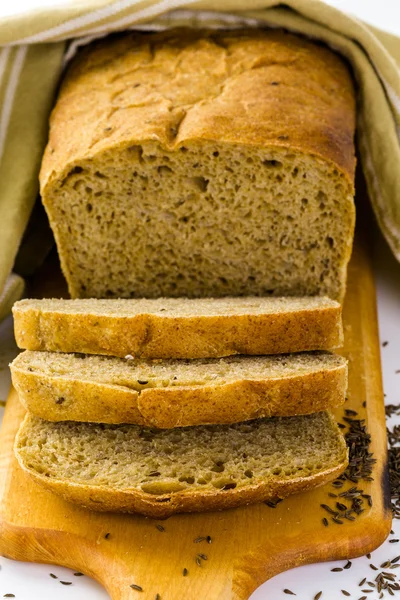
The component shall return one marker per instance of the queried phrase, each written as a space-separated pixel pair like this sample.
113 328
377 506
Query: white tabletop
31 582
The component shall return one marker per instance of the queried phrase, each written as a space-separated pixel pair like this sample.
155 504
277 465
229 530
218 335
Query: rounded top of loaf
261 88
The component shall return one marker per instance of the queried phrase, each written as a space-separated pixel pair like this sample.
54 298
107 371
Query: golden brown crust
65 399
104 499
152 336
261 88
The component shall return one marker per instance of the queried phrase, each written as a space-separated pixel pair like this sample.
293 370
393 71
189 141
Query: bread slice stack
178 405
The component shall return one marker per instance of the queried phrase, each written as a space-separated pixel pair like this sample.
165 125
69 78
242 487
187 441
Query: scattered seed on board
328 509
53 576
78 574
318 596
368 556
394 541
373 567
347 565
395 559
345 593
185 572
66 582
336 570
160 527
286 591
362 582
138 588
360 467
337 484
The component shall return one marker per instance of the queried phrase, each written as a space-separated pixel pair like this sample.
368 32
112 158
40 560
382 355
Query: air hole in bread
163 169
276 164
162 487
218 467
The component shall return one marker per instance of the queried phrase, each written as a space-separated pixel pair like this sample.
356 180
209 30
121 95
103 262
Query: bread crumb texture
177 393
140 375
203 164
195 462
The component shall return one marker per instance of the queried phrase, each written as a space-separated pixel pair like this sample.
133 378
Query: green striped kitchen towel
37 44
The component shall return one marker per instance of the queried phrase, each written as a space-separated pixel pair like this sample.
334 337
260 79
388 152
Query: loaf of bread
162 472
177 393
179 327
199 164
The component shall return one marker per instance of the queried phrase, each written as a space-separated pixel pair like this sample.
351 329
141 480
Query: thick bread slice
203 163
179 327
177 393
161 472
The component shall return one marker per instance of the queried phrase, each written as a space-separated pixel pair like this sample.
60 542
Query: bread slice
179 327
161 472
203 163
177 393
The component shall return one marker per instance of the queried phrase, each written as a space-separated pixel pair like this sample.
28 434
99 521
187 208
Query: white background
31 582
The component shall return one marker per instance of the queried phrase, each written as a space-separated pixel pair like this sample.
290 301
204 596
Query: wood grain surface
249 545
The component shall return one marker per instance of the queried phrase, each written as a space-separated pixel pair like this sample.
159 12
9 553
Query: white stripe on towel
145 13
4 54
8 101
66 29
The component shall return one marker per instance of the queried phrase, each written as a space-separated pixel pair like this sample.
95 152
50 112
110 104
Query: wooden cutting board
249 545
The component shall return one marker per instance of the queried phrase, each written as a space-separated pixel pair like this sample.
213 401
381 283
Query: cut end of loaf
203 163
275 207
158 472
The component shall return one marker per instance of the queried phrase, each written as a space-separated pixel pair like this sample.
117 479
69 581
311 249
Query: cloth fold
34 51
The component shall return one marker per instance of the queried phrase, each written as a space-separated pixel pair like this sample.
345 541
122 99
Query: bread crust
60 398
104 499
153 336
319 85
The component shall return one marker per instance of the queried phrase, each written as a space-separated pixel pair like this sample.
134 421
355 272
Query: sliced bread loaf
203 163
177 393
161 472
179 327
